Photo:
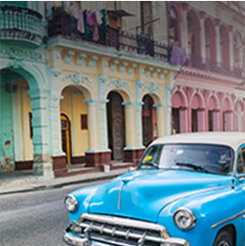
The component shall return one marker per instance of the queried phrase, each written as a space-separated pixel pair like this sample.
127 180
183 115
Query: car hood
143 194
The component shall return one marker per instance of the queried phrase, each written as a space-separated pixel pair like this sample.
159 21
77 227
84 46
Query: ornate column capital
128 104
103 78
90 102
158 106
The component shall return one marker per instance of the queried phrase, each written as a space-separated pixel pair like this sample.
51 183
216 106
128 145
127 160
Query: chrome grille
119 231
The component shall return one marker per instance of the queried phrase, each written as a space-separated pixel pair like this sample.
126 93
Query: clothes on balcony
90 20
80 22
98 17
95 29
75 12
178 56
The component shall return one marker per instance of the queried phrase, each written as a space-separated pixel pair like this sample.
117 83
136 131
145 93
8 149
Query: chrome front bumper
101 230
73 240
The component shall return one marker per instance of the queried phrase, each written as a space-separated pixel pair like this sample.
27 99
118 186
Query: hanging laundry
85 25
95 28
75 12
80 22
98 17
90 20
178 56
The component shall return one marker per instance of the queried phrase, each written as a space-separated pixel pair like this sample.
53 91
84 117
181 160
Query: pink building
209 91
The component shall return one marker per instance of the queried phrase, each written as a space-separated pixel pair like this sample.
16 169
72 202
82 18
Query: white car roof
231 139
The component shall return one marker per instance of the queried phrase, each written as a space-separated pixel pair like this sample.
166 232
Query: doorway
66 137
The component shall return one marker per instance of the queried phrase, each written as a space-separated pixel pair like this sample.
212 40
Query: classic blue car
188 190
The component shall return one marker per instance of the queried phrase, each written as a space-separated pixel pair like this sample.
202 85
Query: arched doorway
197 114
148 120
66 136
74 125
16 130
116 126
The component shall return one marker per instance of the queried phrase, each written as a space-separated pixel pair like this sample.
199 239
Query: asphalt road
35 218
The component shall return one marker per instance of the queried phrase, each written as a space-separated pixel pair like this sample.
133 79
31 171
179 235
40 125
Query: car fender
210 210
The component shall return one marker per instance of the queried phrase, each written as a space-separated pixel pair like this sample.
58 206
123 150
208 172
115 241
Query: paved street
35 218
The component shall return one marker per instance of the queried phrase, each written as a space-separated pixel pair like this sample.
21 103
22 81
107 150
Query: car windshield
197 157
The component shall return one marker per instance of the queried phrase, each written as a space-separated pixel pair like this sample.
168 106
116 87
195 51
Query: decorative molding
16 63
128 104
105 64
90 102
162 74
69 57
148 71
18 54
113 65
132 67
158 106
156 73
142 71
77 78
81 60
102 78
119 84
57 54
55 71
92 62
123 66
152 88
140 83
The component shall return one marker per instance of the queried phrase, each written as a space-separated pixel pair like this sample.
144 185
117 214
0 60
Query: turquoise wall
6 127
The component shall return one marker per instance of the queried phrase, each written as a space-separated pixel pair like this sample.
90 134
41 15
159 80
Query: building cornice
96 49
189 71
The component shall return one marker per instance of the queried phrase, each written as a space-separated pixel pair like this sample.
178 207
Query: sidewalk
30 182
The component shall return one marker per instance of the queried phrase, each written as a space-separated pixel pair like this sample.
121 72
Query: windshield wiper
148 163
193 166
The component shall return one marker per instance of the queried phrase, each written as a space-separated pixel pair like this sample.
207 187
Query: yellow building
96 93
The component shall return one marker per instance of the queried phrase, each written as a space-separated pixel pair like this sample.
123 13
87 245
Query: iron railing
20 24
112 37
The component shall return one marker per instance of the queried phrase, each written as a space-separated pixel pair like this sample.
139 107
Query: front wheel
223 239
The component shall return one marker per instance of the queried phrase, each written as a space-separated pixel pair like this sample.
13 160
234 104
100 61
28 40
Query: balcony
20 24
213 66
66 26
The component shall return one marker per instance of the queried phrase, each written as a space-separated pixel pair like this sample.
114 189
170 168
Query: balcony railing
213 66
20 24
108 36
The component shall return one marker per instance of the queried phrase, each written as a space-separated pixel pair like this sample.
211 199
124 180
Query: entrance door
148 120
65 135
6 129
116 125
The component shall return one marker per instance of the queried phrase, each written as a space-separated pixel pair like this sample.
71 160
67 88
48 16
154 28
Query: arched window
210 49
224 47
194 48
173 26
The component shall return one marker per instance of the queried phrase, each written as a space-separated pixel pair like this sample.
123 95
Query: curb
53 185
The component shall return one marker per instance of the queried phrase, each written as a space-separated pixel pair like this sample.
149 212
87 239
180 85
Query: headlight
71 203
184 218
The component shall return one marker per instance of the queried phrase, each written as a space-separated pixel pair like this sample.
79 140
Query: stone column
203 48
201 120
138 112
58 156
138 107
231 47
184 27
218 58
92 131
160 120
105 152
183 112
40 115
168 95
129 116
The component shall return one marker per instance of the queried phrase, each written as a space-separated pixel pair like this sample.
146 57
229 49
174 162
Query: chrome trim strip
119 196
227 220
